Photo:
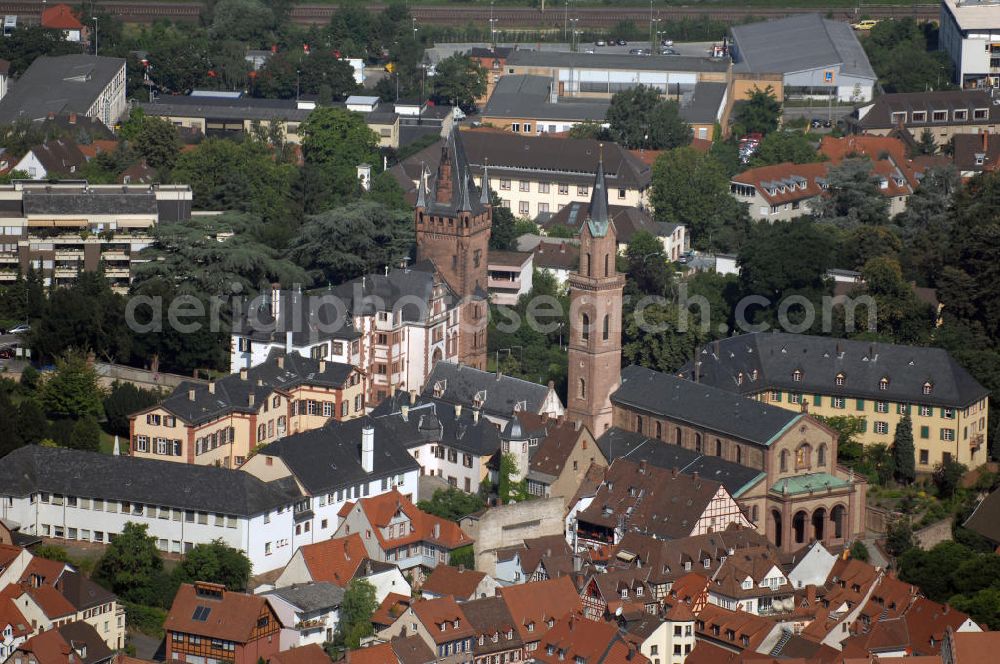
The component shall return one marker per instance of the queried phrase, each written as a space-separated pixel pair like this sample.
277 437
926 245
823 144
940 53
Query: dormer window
980 158
638 591
624 593
797 376
840 379
739 378
706 562
940 116
455 624
928 387
753 374
884 383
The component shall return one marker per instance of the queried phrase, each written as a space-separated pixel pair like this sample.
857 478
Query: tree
905 58
903 452
759 113
334 142
10 440
900 315
157 142
899 537
503 233
848 427
592 129
131 565
639 118
451 504
51 552
509 489
854 197
124 399
878 457
459 81
785 146
73 390
690 188
216 562
86 434
859 551
241 20
32 424
356 611
947 476
648 269
926 144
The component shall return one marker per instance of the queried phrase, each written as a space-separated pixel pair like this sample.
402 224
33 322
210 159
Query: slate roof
81 592
459 384
57 84
775 356
879 114
966 147
66 200
329 458
33 469
525 96
627 220
616 443
557 440
617 61
55 645
703 103
985 519
232 392
459 193
59 157
433 420
701 405
309 597
412 650
544 158
800 43
650 500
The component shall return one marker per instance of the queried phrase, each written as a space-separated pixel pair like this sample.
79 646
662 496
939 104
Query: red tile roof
94 148
8 554
424 527
391 608
448 580
780 176
336 560
976 647
539 603
51 601
376 654
310 654
732 627
60 17
574 638
232 617
11 615
47 571
928 621
443 619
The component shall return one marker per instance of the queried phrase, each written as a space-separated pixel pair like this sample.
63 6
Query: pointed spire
466 205
422 187
599 200
484 194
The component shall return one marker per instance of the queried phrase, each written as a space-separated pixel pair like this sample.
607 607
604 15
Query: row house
222 422
458 582
617 591
495 639
309 613
666 637
535 608
576 639
394 530
81 496
72 643
668 560
798 493
207 623
735 631
394 327
878 382
752 581
654 501
945 113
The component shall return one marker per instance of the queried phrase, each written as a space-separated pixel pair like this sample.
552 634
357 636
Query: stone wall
510 525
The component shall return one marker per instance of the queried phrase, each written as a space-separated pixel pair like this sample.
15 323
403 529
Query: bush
463 556
859 551
146 619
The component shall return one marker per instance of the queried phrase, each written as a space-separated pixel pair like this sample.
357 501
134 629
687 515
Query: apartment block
970 35
64 228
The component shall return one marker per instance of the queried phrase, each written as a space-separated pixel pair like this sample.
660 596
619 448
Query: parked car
6 353
622 42
638 51
866 24
458 113
23 328
588 50
667 42
600 42
816 123
669 51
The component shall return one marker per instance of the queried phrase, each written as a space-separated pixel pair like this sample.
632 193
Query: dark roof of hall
775 356
702 405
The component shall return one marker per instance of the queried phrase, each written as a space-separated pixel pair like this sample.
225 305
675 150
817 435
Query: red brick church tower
595 293
453 221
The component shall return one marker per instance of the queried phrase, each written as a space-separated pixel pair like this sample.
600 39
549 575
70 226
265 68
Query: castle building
595 291
453 221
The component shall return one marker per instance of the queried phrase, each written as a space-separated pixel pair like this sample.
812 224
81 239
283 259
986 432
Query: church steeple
595 292
484 187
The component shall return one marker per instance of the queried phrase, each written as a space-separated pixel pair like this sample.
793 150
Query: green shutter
864 425
776 396
860 404
817 400
925 432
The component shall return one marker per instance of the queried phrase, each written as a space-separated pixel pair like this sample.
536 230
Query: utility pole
95 35
565 20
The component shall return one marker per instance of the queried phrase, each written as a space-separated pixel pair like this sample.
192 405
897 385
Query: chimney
475 417
191 394
694 476
673 472
986 140
347 551
211 387
322 366
260 382
716 348
461 567
577 562
413 397
576 425
437 531
250 399
368 448
72 118
288 341
811 594
281 361
243 373
458 410
642 466
275 299
697 371
404 411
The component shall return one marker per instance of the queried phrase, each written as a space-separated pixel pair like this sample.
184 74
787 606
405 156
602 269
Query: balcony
504 284
115 256
117 272
8 275
66 273
69 254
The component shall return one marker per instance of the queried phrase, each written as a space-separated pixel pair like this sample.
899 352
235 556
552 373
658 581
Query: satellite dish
618 611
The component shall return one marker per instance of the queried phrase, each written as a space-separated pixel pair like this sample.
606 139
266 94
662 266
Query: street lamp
572 40
654 25
94 18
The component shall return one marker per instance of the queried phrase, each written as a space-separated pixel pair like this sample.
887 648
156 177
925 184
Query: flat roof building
83 84
816 57
970 35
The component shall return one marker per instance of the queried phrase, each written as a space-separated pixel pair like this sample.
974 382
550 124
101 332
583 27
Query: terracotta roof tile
391 608
336 560
232 617
540 602
309 654
51 602
574 638
60 17
11 615
976 647
425 527
928 621
375 654
448 580
440 617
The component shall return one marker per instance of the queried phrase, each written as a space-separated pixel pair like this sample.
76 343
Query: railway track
506 17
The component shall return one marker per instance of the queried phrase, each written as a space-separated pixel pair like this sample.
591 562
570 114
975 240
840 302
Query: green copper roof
814 482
